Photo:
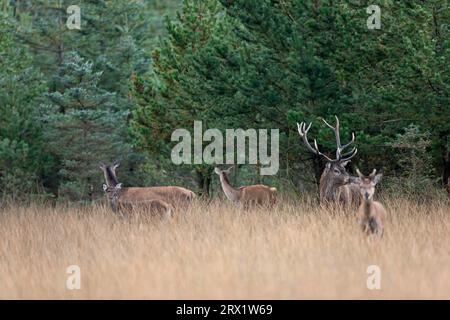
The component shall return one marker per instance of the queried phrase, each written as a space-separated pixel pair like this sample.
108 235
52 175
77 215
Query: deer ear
217 170
105 187
116 165
377 178
360 175
229 170
118 186
102 166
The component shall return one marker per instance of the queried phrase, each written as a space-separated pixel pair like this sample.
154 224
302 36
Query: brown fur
258 194
334 182
150 208
177 196
336 186
247 196
372 216
371 213
154 198
129 201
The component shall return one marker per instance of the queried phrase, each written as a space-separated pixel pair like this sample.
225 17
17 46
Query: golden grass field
215 251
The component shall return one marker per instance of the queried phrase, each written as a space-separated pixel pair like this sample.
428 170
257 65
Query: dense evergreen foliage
84 126
118 87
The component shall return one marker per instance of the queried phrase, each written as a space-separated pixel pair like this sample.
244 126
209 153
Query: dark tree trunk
318 168
204 183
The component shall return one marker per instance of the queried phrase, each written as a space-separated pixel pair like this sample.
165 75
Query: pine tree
171 96
270 64
22 160
85 128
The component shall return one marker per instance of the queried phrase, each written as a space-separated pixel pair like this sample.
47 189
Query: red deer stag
246 196
172 195
335 182
371 213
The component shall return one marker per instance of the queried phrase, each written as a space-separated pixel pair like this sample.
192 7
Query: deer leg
380 229
365 227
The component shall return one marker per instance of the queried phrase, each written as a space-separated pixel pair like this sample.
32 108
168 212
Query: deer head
231 193
225 171
367 184
113 193
335 168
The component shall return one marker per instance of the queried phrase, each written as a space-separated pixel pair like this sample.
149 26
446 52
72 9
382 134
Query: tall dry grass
215 251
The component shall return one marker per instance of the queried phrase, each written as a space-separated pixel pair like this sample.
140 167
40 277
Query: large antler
303 131
339 146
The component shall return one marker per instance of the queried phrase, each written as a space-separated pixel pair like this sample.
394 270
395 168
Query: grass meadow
215 251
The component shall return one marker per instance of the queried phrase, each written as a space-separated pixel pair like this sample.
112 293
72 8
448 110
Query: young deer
124 200
335 182
371 213
176 196
246 196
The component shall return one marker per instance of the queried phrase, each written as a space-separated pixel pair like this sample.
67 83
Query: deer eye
336 171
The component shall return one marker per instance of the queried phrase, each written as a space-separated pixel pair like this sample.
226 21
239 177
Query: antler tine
348 153
352 154
374 172
321 154
336 130
329 125
303 132
348 144
339 146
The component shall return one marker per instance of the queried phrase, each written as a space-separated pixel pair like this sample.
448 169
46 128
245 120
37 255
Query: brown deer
335 182
246 196
371 213
175 196
124 200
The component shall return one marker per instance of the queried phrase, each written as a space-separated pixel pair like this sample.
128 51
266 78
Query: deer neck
114 203
110 177
230 192
328 188
366 207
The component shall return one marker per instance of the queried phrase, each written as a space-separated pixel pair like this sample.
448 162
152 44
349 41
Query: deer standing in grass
335 183
246 196
162 199
124 200
371 213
